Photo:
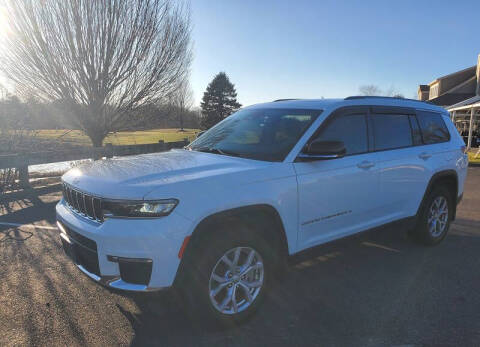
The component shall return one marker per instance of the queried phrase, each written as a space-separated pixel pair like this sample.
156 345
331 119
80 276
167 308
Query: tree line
104 66
35 115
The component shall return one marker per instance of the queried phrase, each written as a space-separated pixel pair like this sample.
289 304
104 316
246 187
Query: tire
435 217
212 256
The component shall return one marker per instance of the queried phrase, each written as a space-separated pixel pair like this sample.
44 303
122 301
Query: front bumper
125 254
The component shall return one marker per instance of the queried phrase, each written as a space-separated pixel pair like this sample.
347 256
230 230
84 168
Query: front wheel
236 280
228 277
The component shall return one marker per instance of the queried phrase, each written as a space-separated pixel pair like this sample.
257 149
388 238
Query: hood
133 177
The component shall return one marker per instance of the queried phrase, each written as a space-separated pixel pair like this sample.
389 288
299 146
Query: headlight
138 209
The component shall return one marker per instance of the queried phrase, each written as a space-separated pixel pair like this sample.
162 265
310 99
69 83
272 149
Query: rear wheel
435 217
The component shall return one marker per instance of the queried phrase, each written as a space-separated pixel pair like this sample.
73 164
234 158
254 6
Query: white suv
218 219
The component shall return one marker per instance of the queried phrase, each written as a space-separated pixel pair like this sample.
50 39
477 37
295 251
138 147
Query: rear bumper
126 254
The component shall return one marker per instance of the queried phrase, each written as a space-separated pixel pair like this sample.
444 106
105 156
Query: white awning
466 107
473 101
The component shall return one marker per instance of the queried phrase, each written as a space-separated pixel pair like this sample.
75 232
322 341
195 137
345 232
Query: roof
450 99
473 68
324 104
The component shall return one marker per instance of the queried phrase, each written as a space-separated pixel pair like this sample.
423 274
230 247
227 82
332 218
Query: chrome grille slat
97 208
84 204
75 201
69 195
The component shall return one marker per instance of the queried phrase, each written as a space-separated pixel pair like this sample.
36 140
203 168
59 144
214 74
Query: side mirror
323 150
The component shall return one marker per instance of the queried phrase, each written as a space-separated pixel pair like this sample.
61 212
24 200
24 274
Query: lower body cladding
125 254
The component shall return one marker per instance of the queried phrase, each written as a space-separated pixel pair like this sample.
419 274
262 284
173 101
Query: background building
459 93
453 88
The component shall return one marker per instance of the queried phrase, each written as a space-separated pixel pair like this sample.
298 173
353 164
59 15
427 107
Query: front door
338 197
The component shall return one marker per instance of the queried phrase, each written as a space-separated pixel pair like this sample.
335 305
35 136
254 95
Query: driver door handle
424 155
365 164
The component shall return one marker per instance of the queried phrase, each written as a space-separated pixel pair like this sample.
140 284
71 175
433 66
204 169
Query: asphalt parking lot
376 289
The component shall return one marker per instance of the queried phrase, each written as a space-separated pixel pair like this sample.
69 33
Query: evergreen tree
219 100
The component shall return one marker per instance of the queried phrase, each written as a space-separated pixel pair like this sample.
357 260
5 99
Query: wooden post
162 145
23 177
470 129
108 150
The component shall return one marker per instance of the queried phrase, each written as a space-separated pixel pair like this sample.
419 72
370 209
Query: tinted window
417 134
262 134
391 131
433 127
351 129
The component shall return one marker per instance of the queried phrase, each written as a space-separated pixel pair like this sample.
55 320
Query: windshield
261 134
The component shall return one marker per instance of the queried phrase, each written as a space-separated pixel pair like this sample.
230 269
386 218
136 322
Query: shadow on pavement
30 205
374 288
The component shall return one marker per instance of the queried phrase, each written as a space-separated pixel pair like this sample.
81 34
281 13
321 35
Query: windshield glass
261 134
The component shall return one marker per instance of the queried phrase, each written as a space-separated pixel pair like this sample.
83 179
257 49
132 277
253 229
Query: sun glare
4 27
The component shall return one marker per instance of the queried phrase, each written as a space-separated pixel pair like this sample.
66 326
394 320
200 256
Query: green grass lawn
77 137
472 159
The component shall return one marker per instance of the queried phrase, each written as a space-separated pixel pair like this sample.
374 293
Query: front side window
351 129
261 134
433 127
391 131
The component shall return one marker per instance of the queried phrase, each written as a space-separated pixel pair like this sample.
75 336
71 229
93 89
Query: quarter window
433 127
391 131
350 129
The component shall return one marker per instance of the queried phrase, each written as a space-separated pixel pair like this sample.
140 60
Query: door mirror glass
319 150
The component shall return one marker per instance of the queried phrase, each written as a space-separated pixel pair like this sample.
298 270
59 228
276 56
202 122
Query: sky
312 49
273 49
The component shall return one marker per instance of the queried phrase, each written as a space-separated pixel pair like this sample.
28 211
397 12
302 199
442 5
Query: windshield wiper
217 151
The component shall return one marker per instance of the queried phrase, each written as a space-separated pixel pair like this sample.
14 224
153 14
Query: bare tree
101 59
393 92
370 90
373 90
182 101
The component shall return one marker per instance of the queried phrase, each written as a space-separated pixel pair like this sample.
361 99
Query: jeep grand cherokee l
218 219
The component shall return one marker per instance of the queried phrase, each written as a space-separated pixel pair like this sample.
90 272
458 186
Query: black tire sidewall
211 251
422 227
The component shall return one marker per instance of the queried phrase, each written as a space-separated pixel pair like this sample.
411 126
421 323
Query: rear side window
351 129
433 127
417 134
391 131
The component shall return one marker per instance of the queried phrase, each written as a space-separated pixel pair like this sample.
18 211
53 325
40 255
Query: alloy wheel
236 280
438 216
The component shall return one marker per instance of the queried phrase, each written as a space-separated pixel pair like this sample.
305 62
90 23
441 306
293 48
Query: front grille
84 204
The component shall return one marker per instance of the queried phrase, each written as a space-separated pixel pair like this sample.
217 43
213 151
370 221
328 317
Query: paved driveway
373 289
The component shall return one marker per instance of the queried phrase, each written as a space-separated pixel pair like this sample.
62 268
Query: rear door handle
424 155
365 164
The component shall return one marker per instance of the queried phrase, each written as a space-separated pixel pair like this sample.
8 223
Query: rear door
338 197
402 160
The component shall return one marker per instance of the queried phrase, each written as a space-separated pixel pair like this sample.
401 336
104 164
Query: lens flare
4 26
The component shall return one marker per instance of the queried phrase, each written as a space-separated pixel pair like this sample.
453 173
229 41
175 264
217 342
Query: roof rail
284 100
355 97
